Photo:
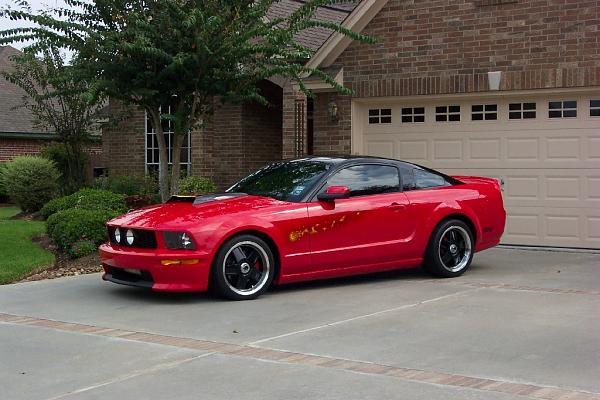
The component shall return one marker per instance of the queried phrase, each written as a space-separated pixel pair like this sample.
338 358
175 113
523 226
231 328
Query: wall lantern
494 80
332 110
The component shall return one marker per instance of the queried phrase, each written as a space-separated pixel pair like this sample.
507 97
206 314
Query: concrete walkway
519 324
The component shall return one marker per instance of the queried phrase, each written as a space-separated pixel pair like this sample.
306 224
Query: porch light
332 110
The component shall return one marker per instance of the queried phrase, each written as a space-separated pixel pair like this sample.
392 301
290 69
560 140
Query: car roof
341 159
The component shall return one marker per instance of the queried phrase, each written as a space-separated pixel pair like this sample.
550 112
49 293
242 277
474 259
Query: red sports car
311 218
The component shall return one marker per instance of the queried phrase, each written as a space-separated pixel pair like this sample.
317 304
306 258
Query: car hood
180 213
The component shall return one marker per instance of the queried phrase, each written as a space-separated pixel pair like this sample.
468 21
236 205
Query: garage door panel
563 148
550 167
593 148
381 148
523 149
415 150
445 150
488 150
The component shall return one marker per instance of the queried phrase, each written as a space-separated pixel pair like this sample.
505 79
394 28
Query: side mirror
334 192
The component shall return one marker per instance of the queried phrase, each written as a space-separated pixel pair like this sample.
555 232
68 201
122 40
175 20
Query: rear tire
450 250
243 268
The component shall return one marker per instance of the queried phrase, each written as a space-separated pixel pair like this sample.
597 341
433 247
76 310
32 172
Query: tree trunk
176 169
163 154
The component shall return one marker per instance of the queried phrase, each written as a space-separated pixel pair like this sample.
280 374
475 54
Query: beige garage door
545 148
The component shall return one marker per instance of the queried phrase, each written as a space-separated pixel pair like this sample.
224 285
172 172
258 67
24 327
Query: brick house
19 135
502 88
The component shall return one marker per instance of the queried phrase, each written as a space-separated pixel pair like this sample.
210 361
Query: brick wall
262 125
331 137
123 140
11 148
238 139
448 46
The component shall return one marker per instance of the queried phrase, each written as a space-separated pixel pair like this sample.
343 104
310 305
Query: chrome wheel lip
464 235
265 273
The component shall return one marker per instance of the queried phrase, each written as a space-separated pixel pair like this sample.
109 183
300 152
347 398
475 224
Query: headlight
129 237
117 235
179 240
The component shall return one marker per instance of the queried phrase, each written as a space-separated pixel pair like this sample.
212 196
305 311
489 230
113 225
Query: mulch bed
63 265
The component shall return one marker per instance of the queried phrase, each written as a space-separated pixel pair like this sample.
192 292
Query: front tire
450 249
243 268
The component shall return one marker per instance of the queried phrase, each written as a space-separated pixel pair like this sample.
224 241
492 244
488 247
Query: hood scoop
195 200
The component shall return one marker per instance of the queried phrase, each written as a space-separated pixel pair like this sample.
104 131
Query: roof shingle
12 117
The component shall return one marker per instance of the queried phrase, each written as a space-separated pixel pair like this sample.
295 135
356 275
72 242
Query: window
380 116
562 109
447 113
152 153
426 179
594 108
367 179
413 114
480 112
287 181
521 110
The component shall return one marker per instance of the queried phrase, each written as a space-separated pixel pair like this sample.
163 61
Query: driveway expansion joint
532 391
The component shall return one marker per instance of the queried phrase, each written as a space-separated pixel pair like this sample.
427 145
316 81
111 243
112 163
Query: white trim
338 42
483 95
320 86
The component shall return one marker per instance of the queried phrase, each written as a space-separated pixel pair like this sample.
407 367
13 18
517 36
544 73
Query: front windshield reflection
286 181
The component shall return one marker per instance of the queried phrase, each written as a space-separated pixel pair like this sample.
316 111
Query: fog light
129 237
180 262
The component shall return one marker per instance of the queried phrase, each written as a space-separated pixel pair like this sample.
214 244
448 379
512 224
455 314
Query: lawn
18 254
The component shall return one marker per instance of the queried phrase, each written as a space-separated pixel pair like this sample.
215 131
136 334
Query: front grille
142 238
122 276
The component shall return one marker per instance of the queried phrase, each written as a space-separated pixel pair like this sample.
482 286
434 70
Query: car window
366 179
425 179
287 181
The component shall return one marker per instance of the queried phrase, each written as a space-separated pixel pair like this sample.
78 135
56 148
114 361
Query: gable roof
13 119
314 38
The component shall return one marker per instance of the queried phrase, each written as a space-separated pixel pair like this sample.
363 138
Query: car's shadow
133 294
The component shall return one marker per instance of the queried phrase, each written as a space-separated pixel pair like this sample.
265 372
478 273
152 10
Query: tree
55 93
191 54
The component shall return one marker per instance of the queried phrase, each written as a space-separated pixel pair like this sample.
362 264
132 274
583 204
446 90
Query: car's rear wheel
450 249
243 268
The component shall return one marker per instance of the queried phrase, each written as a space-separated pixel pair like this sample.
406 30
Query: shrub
30 181
78 231
71 162
88 199
3 194
196 185
128 184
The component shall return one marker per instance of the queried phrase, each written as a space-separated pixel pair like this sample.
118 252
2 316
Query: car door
367 229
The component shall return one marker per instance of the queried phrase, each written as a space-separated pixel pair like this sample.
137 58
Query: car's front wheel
243 268
450 250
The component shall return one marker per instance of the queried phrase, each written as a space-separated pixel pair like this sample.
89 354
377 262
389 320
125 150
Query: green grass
18 254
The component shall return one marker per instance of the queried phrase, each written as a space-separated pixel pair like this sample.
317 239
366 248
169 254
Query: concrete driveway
519 324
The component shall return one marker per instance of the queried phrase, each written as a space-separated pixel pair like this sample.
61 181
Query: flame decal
325 225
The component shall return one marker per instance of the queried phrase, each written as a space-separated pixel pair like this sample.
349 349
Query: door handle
397 206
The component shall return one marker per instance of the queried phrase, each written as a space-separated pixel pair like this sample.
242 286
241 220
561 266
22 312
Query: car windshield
286 181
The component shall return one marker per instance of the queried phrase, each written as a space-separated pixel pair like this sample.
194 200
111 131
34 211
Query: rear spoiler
479 179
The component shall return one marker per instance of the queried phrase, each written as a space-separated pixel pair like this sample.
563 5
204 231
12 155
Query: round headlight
117 235
186 242
129 237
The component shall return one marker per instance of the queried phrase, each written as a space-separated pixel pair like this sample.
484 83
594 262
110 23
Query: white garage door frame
551 167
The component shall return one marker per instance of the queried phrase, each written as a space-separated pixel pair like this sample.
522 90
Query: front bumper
121 265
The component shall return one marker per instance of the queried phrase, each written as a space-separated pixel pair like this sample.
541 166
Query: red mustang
312 218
